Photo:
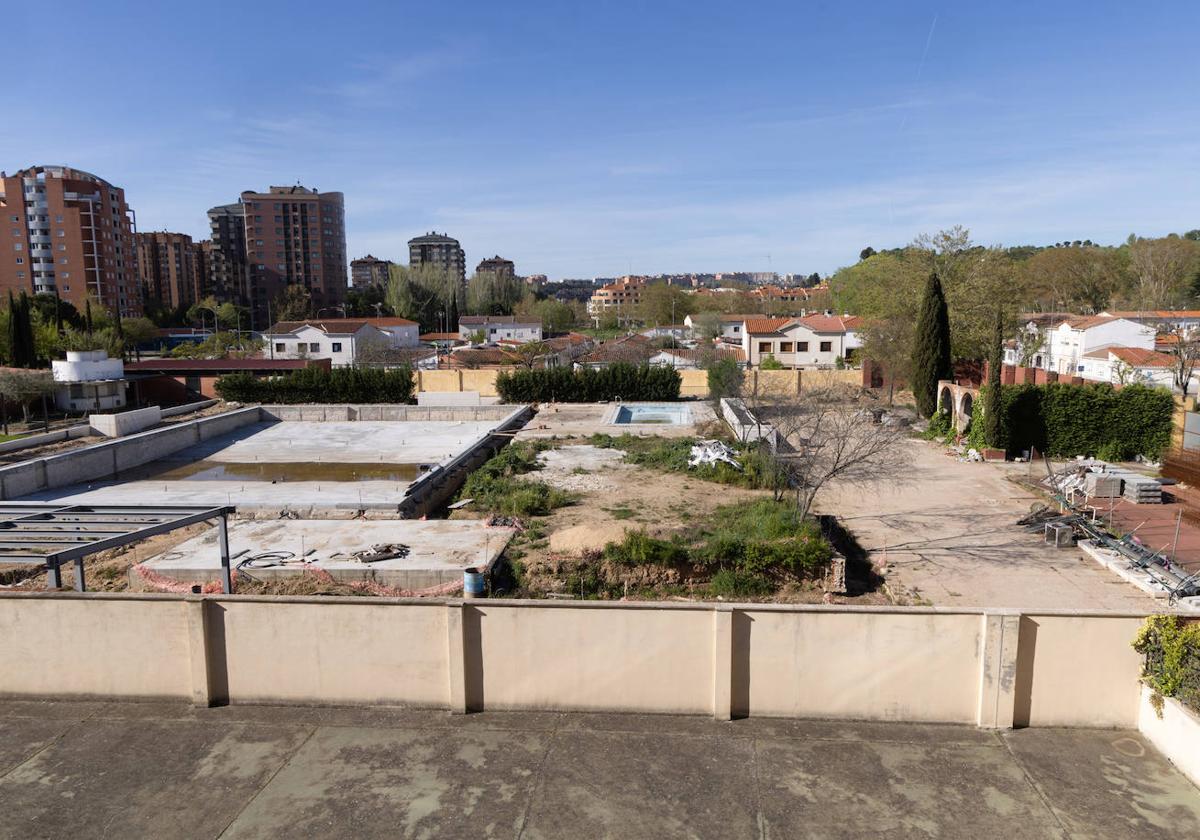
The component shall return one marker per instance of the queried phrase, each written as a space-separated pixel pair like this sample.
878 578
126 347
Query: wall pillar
1000 633
723 662
197 625
456 697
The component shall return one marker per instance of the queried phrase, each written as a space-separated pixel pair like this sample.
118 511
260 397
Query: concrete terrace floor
167 770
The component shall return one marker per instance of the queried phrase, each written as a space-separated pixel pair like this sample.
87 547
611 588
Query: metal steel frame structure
49 534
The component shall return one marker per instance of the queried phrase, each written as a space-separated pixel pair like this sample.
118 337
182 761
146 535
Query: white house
808 341
341 340
697 358
1165 320
1129 365
89 381
498 327
1061 345
730 325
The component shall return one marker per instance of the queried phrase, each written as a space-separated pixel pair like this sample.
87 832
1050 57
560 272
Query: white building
1061 345
1162 320
499 327
808 341
730 325
344 341
89 381
1130 365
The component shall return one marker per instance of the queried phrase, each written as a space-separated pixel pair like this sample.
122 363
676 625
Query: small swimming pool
672 414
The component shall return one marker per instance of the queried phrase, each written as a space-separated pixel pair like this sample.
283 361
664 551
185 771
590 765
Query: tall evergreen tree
991 397
452 319
931 349
14 331
87 316
29 348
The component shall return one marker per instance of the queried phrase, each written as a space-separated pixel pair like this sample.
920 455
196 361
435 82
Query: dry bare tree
826 436
1185 354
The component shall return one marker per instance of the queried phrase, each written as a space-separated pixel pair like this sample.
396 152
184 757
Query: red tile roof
1137 357
759 326
831 323
1156 313
441 336
340 326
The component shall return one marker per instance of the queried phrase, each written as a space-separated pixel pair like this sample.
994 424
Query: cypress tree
452 319
931 350
87 316
28 350
991 397
14 332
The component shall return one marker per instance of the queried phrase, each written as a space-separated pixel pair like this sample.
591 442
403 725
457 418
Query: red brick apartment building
171 267
68 231
295 236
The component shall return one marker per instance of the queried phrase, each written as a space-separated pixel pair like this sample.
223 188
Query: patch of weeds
734 583
620 513
496 489
640 549
672 454
764 537
581 471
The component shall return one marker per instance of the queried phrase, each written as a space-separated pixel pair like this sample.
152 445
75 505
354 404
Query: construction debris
381 551
710 452
1086 479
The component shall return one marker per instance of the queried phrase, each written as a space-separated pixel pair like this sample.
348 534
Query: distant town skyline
705 140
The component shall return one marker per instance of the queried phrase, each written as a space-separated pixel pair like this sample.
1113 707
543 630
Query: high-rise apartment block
498 267
440 250
295 236
228 277
369 271
68 232
171 268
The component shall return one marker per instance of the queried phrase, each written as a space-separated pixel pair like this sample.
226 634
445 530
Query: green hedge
1068 420
1171 657
621 380
317 385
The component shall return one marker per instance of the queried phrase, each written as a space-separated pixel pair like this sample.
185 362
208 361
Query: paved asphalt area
164 770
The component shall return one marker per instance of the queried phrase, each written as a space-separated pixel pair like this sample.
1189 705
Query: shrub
769 362
940 425
317 385
1171 651
672 454
764 537
617 381
724 379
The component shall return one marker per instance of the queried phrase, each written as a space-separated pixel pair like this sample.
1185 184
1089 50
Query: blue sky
602 138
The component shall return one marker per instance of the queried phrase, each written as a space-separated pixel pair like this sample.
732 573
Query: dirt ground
615 497
944 533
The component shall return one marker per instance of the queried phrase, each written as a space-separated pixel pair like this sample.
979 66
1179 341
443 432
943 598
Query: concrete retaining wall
992 669
1174 730
175 411
30 441
327 413
104 460
125 422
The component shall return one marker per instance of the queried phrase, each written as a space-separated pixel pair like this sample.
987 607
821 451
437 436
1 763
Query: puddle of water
266 471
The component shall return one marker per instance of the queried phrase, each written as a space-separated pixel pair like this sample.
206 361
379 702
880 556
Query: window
280 347
314 347
20 261
801 346
786 347
336 347
826 346
764 347
18 247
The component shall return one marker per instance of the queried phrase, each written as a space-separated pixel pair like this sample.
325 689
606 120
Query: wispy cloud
384 76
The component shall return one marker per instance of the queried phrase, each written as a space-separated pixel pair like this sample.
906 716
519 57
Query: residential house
1059 344
696 358
1163 321
808 341
344 341
497 327
634 349
620 299
87 380
676 332
1129 365
730 325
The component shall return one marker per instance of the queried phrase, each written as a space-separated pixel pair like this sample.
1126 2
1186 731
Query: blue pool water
662 413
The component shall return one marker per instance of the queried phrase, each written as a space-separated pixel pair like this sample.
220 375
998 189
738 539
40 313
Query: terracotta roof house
817 340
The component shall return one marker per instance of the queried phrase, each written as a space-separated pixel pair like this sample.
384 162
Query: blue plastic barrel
473 586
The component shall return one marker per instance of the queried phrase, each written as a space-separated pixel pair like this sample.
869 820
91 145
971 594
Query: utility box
1060 534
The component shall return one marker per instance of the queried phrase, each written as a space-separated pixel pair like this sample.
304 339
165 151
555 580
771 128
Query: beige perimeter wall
993 669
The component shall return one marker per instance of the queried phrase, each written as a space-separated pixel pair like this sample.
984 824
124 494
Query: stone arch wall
961 402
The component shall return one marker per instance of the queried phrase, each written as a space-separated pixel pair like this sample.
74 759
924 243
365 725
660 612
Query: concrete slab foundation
439 551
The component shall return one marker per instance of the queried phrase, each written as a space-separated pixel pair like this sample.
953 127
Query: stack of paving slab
1142 490
1106 485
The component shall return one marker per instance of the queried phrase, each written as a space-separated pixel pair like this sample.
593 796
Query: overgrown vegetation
1067 420
617 381
496 488
672 454
1171 651
317 385
744 550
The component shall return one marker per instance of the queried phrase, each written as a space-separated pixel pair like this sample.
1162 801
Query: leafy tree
20 332
489 293
888 342
427 294
294 303
991 396
138 331
931 349
769 362
662 303
50 308
706 325
866 253
23 386
724 379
